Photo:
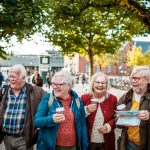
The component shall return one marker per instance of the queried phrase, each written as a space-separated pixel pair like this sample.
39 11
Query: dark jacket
34 95
48 128
108 108
144 125
1 79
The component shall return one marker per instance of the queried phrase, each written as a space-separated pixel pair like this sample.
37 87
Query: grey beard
138 90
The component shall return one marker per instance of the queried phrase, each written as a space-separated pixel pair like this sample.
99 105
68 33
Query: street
81 89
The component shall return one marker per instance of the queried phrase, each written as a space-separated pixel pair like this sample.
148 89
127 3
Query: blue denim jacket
48 128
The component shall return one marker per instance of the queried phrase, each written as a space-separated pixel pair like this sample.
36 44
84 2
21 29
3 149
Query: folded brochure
128 118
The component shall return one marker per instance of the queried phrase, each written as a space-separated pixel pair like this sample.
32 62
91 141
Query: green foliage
91 27
19 18
2 53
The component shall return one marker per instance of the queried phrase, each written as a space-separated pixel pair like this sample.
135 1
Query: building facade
32 63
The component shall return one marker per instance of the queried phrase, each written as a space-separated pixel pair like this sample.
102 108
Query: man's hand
144 115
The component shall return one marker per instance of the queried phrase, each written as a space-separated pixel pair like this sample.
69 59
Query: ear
24 78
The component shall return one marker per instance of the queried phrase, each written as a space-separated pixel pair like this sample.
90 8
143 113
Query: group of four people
27 111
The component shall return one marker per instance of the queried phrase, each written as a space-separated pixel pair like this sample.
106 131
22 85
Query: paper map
128 118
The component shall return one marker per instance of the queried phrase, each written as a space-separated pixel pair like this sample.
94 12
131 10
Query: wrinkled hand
103 129
58 118
91 108
144 115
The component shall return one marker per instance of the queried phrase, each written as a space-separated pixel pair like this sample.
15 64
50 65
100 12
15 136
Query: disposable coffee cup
94 101
60 110
121 107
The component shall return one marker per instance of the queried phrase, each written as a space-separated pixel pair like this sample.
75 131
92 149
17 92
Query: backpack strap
77 102
3 90
50 101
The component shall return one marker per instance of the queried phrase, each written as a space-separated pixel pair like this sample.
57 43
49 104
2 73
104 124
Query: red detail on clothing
107 106
67 133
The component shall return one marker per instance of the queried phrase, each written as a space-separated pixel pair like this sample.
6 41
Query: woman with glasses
61 117
99 108
137 137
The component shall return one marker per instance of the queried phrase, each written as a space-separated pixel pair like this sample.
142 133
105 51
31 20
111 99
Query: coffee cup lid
60 109
94 100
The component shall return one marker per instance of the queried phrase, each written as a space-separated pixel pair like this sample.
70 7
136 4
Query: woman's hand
91 108
103 129
58 118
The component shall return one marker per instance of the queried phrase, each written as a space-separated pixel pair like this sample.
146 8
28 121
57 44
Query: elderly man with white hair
18 105
137 137
61 117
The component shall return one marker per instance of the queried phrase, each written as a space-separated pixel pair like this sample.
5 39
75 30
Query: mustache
138 88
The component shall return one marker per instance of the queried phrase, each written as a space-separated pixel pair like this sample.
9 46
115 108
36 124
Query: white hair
65 75
144 70
93 79
20 68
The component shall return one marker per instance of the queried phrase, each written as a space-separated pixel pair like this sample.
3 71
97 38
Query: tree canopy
92 27
20 19
136 57
89 27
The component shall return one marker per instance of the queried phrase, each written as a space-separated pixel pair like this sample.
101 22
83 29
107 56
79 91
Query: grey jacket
144 125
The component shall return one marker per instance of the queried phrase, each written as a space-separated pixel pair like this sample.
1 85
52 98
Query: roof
145 45
25 60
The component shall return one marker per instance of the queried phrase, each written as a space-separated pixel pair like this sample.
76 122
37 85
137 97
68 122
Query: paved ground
81 89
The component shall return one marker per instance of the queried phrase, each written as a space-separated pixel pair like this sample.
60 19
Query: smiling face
100 86
139 82
15 80
61 89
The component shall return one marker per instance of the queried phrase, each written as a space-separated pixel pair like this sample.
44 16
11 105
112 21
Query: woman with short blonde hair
99 107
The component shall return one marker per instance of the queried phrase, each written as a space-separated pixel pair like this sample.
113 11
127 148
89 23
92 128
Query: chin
136 90
57 94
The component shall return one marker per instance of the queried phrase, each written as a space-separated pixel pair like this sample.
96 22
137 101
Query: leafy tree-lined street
89 27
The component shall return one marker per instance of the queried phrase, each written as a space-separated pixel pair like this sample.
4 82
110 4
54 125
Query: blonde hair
93 79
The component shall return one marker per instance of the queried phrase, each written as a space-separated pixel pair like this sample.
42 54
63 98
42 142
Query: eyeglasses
135 78
100 83
13 77
57 85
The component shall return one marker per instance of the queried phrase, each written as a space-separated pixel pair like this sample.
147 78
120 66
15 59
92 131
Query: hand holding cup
93 106
59 116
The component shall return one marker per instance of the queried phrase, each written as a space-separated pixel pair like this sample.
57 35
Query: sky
37 46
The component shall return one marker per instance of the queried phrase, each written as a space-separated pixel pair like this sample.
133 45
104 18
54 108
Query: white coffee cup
121 107
60 110
94 101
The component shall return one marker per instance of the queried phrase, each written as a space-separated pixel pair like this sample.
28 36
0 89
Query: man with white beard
137 137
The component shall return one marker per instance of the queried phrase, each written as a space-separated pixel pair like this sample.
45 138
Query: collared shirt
14 114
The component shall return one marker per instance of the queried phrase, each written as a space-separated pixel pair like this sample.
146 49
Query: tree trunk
100 67
90 63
